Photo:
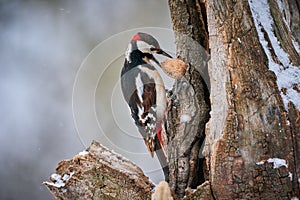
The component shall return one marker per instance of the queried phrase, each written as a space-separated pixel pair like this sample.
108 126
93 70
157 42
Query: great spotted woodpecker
144 90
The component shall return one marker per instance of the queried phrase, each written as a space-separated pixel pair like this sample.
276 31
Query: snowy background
43 46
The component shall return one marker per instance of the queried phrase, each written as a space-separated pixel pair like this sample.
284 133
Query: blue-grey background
42 45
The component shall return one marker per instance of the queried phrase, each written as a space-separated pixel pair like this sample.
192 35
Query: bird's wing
145 112
139 91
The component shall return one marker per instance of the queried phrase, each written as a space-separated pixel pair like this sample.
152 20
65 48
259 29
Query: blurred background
49 52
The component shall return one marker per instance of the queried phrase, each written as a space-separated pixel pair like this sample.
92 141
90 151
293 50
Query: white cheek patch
143 46
128 51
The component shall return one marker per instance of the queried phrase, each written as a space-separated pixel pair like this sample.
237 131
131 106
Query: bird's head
147 45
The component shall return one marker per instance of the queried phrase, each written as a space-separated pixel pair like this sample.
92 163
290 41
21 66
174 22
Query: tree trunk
190 98
251 150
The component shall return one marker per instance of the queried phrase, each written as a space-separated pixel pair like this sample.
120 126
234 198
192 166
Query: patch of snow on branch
185 118
280 5
260 163
277 162
59 181
66 177
287 74
106 153
294 198
291 176
83 153
296 45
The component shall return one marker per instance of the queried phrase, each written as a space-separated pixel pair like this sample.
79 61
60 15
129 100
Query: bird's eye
152 49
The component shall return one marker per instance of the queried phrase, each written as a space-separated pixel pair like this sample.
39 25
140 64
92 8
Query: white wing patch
140 87
151 127
143 46
140 113
151 116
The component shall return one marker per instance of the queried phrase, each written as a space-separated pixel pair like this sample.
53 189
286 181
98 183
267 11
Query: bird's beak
160 51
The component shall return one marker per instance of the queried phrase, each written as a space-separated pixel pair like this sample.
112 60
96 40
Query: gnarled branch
99 173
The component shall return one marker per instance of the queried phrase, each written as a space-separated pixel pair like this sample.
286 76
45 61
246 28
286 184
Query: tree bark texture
99 174
249 124
291 10
283 33
190 97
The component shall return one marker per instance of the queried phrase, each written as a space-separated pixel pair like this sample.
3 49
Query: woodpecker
144 90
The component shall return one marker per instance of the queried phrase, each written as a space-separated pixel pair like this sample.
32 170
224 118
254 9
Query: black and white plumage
143 89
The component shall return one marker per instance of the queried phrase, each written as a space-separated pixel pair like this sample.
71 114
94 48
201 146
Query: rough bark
282 32
253 125
189 98
294 118
249 124
99 174
292 15
203 191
